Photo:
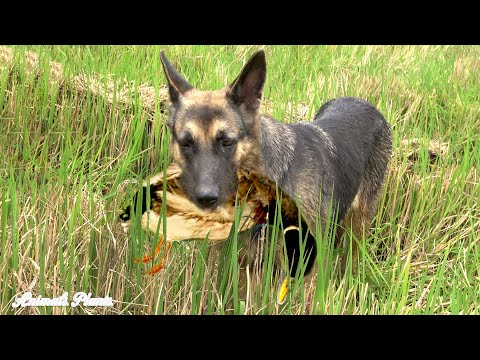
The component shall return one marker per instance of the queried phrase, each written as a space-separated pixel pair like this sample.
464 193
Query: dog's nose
207 196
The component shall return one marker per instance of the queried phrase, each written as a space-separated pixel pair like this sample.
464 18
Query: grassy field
79 136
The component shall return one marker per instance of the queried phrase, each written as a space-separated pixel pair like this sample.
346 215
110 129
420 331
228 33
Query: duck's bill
284 289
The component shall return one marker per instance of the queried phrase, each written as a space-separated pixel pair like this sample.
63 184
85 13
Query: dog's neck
277 144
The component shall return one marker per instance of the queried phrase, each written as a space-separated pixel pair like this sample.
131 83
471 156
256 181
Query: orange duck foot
147 258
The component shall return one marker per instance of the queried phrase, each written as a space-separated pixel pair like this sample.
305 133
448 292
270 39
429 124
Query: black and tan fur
339 158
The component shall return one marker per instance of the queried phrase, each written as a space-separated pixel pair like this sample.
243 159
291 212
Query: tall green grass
71 160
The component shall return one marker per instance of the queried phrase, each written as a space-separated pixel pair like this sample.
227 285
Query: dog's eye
228 142
185 144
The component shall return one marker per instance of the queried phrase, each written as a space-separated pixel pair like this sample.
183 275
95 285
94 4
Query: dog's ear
177 85
248 86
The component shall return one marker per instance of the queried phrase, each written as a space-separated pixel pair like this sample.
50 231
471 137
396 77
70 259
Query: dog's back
336 163
361 149
340 157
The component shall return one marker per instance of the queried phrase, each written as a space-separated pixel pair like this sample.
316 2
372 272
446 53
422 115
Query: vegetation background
81 126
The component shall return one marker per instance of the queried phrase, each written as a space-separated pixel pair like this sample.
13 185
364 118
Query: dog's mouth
209 207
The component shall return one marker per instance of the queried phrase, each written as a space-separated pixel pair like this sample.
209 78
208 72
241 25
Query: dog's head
214 133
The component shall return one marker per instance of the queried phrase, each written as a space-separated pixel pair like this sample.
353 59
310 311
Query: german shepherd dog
337 160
